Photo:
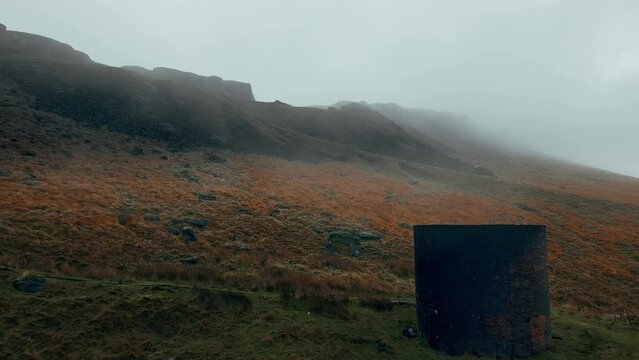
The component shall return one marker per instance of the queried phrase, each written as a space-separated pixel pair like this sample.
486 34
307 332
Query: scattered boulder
137 151
28 153
197 222
191 260
409 331
192 221
244 211
5 173
367 236
152 218
205 197
28 282
188 234
238 246
210 156
125 218
329 248
187 175
173 230
343 237
405 226
352 239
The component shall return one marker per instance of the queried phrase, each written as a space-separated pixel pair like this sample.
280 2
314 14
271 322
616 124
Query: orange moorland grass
270 219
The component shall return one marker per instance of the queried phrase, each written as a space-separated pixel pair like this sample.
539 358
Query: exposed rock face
214 84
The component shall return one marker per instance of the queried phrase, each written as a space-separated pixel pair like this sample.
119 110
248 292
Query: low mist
555 77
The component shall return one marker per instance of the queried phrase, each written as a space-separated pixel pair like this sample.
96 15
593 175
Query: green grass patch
90 319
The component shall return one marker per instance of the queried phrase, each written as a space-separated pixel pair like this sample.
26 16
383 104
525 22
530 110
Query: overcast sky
560 77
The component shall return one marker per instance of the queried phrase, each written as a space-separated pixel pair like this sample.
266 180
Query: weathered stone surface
28 282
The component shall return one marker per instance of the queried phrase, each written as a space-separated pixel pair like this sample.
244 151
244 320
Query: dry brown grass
69 221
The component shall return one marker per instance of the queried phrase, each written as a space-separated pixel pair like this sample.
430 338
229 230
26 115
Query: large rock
28 282
2 28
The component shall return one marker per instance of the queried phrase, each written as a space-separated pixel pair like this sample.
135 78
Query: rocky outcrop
214 84
35 46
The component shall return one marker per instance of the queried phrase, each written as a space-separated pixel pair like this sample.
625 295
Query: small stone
28 282
343 237
404 226
367 236
409 331
5 173
329 248
124 218
198 223
191 260
187 233
205 197
173 230
28 153
150 218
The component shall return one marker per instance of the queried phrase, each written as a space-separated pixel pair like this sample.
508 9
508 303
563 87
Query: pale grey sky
559 77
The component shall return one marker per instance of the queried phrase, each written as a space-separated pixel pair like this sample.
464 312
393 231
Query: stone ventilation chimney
2 28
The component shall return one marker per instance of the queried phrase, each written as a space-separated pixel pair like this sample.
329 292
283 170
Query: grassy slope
59 214
79 319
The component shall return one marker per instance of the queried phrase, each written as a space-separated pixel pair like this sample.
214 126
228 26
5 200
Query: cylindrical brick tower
483 289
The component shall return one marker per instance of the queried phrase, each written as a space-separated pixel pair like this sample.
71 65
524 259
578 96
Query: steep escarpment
214 84
187 110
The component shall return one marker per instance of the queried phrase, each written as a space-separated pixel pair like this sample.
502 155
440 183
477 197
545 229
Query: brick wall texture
483 289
